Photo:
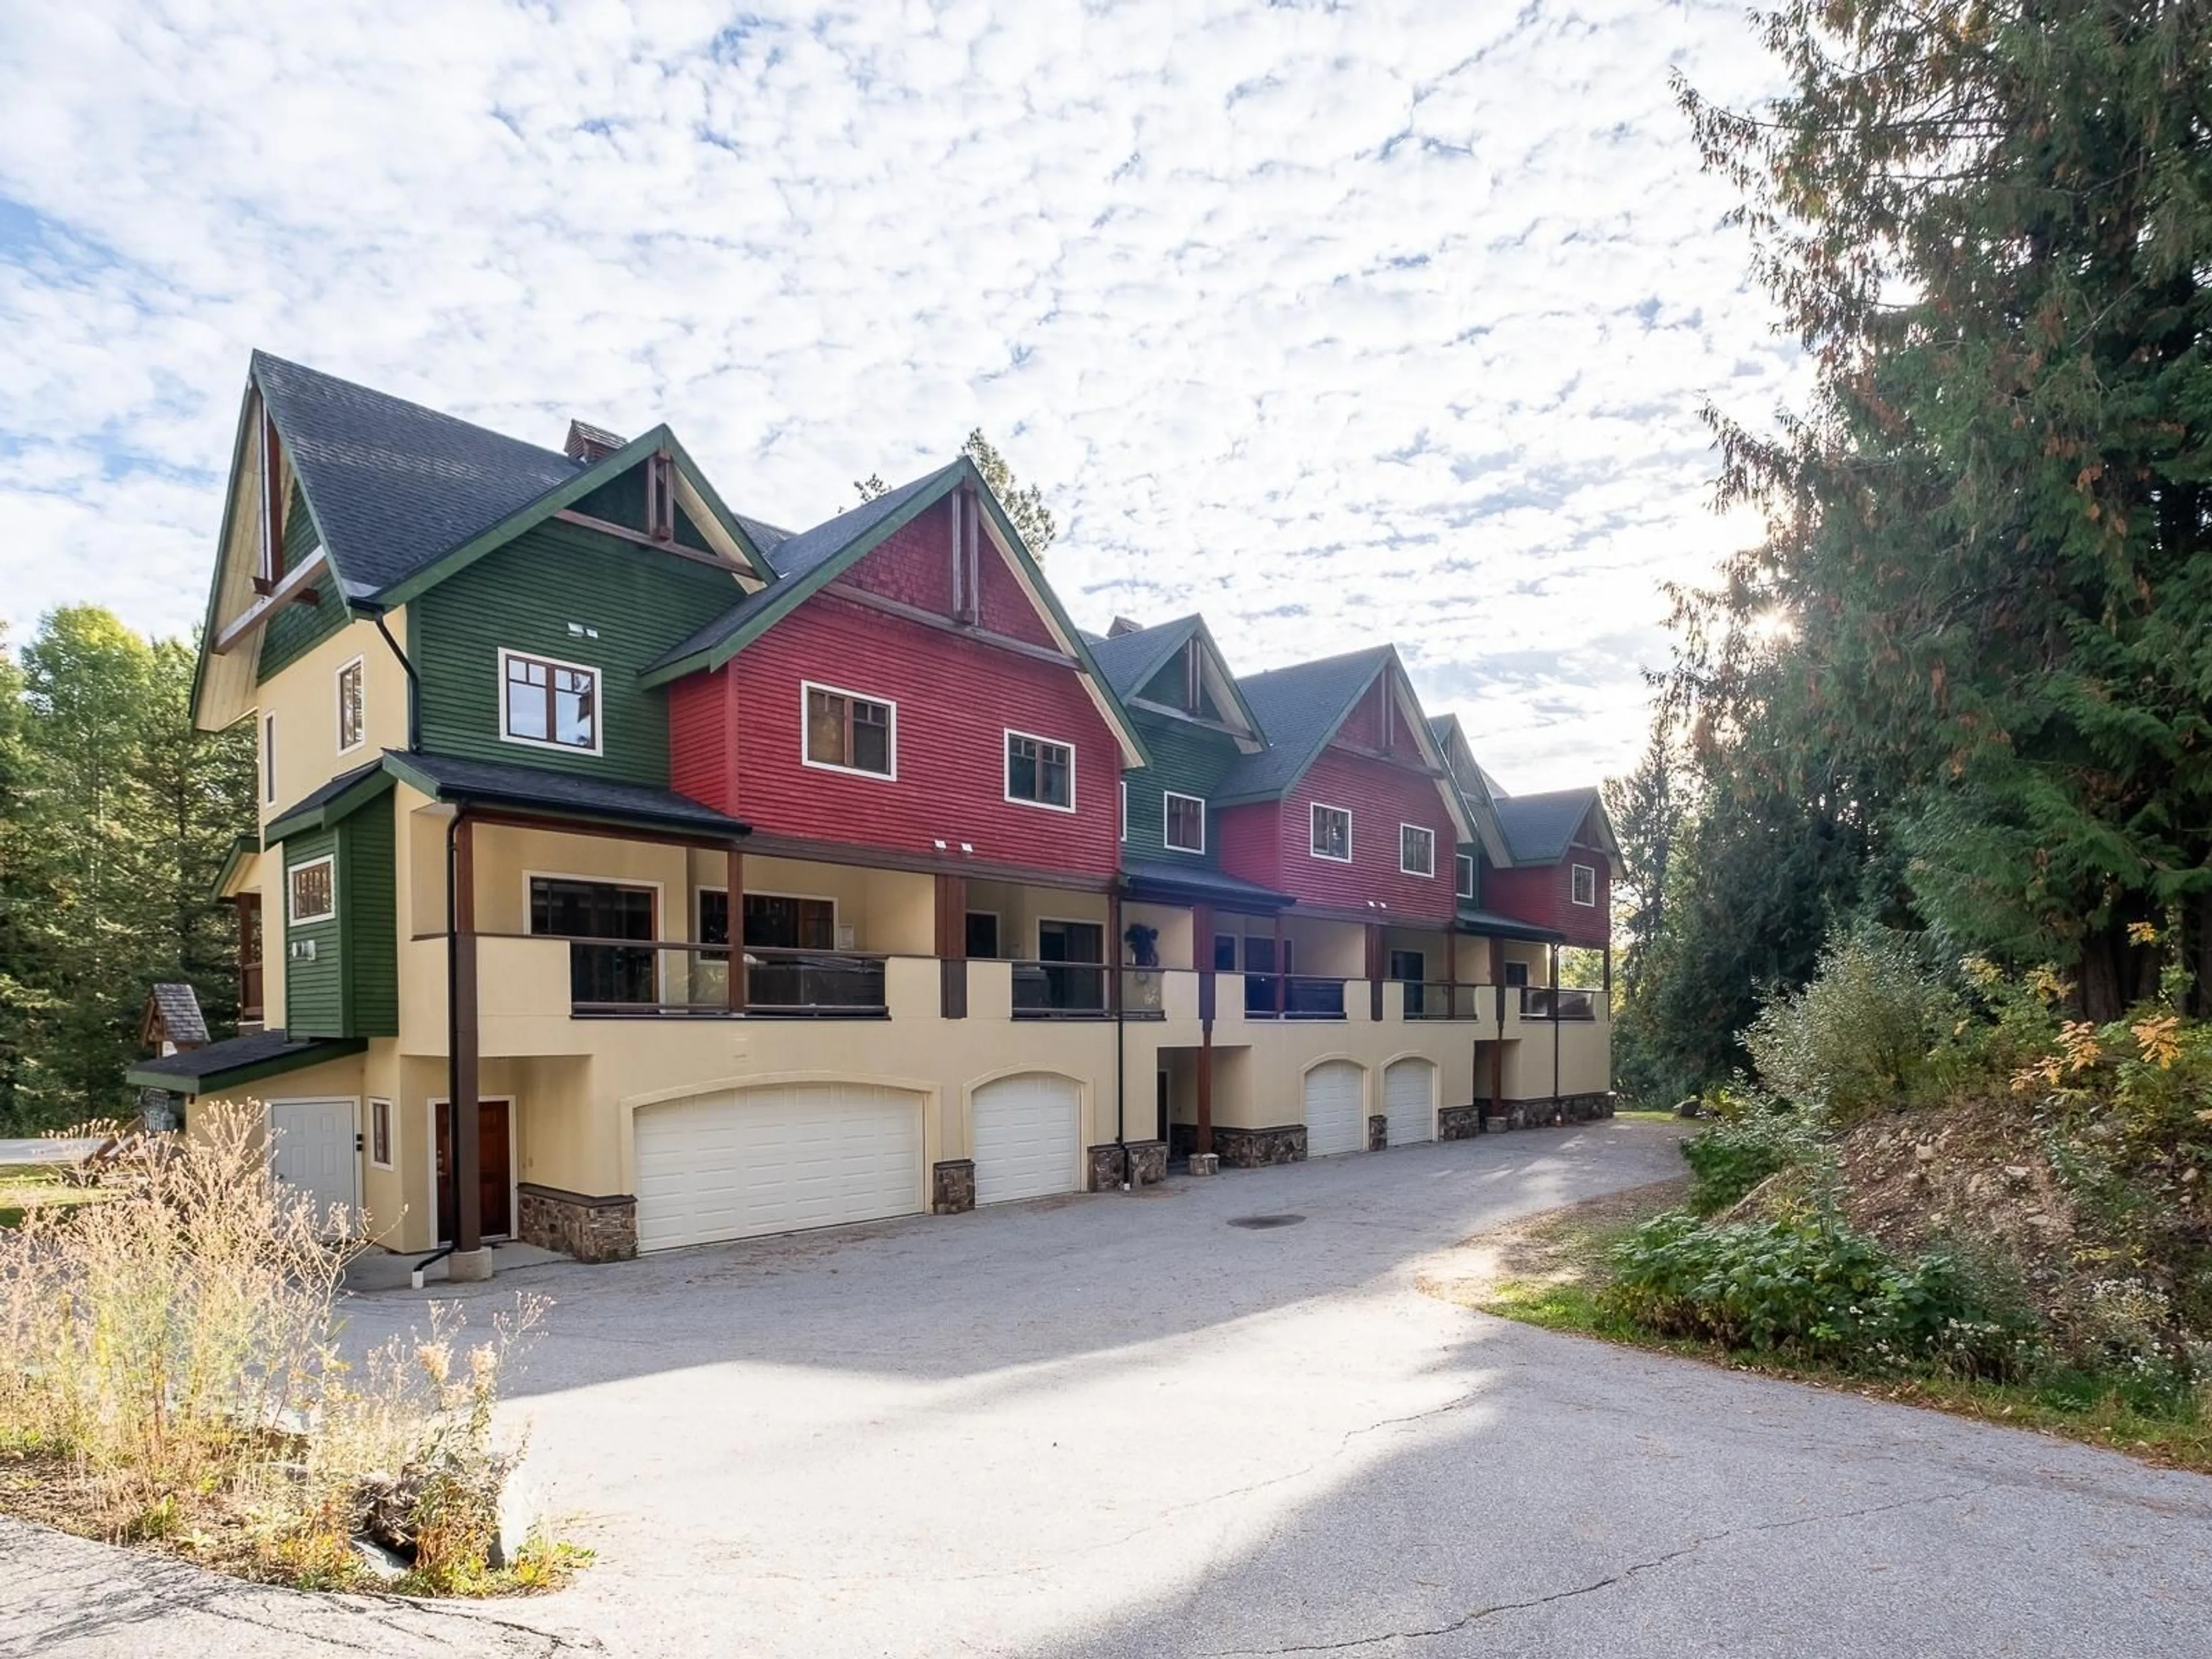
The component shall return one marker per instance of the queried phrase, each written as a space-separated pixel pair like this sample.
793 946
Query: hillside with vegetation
1921 848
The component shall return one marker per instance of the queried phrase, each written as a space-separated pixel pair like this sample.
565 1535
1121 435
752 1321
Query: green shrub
1864 1034
1812 1287
1750 1142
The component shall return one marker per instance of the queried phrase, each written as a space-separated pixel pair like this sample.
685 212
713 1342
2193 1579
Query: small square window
379 1133
1585 883
1417 850
1183 828
1332 833
1040 771
849 733
311 891
547 702
1463 868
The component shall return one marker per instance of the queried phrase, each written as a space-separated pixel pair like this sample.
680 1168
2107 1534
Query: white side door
315 1150
1336 1110
1029 1137
1409 1091
746 1162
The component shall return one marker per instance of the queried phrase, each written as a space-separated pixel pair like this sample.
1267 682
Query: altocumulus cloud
1336 321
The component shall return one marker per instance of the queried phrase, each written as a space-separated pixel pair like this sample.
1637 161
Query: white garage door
1336 1110
1408 1096
773 1160
314 1152
1027 1138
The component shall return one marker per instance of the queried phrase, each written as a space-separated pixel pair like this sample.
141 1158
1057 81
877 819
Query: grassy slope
1551 1271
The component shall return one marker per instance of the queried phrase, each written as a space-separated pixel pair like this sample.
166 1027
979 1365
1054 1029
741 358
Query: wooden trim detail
915 614
286 588
624 532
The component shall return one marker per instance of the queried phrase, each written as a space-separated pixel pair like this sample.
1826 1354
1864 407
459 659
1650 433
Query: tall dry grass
175 1350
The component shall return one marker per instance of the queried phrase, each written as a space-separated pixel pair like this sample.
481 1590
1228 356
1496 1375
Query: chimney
587 443
1122 625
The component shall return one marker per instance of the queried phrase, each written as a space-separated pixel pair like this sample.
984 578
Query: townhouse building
634 873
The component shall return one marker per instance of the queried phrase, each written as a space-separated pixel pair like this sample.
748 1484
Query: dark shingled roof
1298 708
530 789
1130 660
1538 828
1185 884
797 556
177 1008
315 799
1505 926
236 1059
393 485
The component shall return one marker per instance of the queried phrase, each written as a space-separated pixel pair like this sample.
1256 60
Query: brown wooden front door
495 1177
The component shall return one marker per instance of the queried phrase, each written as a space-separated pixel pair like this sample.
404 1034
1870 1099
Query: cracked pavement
1114 1426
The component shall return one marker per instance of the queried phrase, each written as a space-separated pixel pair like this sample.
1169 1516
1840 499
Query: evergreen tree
1979 618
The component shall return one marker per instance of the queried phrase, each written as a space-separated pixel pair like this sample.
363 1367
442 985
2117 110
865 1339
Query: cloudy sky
1335 320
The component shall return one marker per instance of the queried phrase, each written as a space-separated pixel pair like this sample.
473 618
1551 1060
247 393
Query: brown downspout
733 976
462 1035
1555 1031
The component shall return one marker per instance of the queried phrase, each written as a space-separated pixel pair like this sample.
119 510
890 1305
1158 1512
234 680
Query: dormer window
554 705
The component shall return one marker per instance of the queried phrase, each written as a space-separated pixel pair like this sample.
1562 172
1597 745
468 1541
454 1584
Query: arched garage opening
1409 1100
1336 1109
1027 1137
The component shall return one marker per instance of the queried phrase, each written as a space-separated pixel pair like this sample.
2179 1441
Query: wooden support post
735 976
1201 951
1555 1025
1608 975
467 1134
1375 972
1451 972
952 945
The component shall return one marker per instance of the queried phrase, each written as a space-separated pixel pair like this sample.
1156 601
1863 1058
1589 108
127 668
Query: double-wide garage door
1336 1109
1027 1138
1409 1090
743 1162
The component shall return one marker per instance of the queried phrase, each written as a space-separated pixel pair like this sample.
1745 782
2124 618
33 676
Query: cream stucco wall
303 697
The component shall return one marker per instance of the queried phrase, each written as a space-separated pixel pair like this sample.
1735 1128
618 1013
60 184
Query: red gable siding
1544 894
955 700
1380 797
914 566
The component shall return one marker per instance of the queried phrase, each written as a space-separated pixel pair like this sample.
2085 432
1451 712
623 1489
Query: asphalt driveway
1124 1425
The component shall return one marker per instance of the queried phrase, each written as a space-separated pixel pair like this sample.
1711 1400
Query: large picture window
1417 850
1332 833
1040 771
1183 822
845 733
556 704
1585 883
311 891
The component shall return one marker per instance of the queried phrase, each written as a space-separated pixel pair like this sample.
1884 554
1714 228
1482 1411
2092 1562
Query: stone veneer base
1458 1122
1148 1166
1545 1112
952 1187
586 1228
1378 1133
1252 1149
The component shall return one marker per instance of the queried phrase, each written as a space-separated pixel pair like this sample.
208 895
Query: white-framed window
549 704
1183 823
1125 809
1332 833
353 705
1583 879
379 1133
311 891
1463 871
268 758
848 732
1417 850
1040 771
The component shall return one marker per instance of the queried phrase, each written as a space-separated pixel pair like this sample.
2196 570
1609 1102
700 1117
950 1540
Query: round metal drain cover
1259 1222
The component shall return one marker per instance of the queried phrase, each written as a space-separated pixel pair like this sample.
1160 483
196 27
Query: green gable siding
300 627
621 501
1168 685
314 991
523 598
350 988
1187 759
368 906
